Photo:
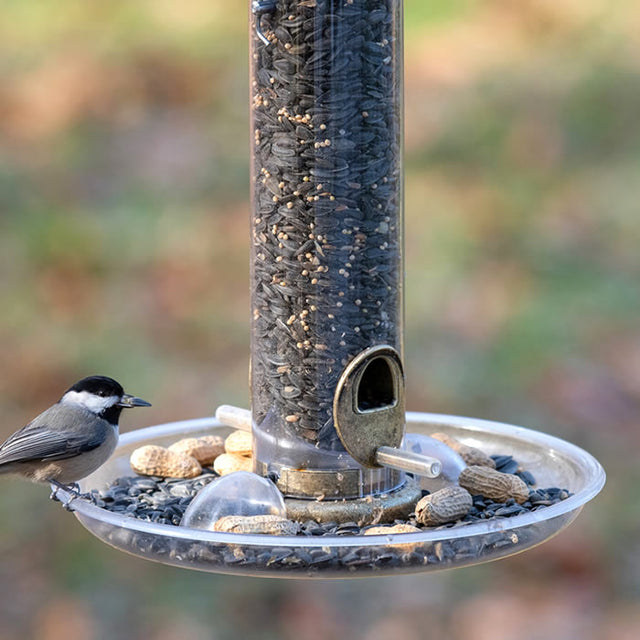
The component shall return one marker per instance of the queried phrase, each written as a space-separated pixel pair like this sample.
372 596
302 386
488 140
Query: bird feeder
328 414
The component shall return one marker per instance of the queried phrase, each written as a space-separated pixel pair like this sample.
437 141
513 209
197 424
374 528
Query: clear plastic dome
237 494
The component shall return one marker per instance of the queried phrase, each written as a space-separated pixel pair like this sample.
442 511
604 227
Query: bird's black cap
98 385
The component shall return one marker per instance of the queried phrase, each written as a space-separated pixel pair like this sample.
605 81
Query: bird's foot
72 488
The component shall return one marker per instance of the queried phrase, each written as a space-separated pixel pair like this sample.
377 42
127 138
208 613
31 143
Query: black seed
527 477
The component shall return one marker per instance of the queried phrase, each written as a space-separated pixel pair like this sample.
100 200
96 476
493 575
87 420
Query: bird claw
72 488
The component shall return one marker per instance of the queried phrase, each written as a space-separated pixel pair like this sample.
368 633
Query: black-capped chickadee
72 438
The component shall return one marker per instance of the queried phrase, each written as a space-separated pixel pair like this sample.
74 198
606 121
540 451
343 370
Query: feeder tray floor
553 462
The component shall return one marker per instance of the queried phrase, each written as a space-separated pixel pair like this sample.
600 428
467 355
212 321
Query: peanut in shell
153 460
230 462
239 443
264 524
471 455
498 486
445 505
205 450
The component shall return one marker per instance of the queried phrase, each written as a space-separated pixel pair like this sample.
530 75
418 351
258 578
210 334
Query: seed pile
326 234
164 500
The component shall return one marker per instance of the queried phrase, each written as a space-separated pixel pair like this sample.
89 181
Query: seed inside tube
335 197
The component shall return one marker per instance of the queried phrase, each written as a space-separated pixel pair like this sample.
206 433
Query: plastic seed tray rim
589 466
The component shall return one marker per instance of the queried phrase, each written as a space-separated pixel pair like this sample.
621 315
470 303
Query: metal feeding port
336 478
368 406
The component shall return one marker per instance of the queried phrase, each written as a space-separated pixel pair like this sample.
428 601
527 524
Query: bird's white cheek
89 401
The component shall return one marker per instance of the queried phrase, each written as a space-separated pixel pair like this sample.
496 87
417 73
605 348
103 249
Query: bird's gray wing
39 441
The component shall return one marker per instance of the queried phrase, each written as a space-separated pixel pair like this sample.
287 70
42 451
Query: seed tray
553 462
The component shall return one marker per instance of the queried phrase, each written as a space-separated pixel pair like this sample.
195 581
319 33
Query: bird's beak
129 402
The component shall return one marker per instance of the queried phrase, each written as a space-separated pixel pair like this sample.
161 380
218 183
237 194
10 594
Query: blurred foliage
124 251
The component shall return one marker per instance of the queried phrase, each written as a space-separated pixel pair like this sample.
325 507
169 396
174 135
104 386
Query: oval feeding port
377 388
368 408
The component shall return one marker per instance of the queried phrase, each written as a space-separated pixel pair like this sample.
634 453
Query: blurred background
124 251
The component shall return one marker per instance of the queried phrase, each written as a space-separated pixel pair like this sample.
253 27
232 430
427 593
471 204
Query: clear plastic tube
326 91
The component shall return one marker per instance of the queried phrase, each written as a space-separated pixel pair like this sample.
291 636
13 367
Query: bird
72 438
